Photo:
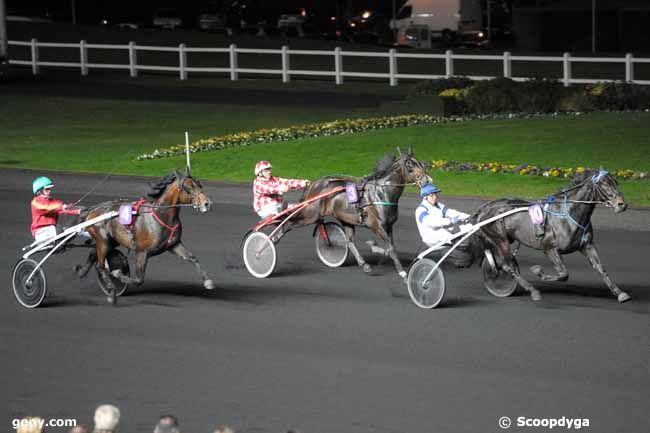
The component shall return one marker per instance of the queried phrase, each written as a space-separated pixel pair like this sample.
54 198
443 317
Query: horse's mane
382 167
160 187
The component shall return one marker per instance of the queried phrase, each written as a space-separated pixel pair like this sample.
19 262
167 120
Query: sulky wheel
260 255
331 244
426 295
115 260
498 282
31 293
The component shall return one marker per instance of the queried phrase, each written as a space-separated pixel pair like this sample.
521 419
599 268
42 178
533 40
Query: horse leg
82 270
182 252
102 250
387 236
589 251
554 256
508 265
349 234
140 267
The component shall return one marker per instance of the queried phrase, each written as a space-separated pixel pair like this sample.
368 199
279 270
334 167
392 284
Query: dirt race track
321 350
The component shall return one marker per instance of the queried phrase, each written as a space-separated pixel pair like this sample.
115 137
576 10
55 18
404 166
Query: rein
565 214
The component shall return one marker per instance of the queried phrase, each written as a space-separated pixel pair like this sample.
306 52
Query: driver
46 210
437 224
268 190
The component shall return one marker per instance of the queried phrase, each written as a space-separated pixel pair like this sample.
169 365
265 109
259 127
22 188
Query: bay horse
567 229
379 194
157 228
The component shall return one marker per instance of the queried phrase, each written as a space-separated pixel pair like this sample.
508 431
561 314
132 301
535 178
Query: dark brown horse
567 229
377 210
157 228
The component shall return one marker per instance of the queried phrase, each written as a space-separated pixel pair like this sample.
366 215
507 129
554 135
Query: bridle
597 190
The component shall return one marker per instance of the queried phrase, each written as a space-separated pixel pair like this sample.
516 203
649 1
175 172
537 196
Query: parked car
167 18
214 21
130 25
293 20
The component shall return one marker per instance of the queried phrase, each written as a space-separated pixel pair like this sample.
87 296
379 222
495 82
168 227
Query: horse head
605 188
412 169
191 191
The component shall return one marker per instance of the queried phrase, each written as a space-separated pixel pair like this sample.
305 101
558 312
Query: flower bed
528 170
315 130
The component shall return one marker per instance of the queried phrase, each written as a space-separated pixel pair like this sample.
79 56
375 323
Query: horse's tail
476 246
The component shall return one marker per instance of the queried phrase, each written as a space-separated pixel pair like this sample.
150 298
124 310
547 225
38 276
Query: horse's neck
581 212
391 186
168 201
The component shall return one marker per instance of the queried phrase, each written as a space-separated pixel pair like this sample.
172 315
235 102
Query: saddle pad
126 214
351 193
536 214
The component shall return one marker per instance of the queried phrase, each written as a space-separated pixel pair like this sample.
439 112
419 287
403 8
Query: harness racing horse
567 229
377 206
157 228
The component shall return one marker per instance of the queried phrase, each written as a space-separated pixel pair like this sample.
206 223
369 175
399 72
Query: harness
565 214
172 229
136 209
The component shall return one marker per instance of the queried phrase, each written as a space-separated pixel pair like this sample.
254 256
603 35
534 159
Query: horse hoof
112 300
623 297
535 296
208 284
78 270
367 268
536 269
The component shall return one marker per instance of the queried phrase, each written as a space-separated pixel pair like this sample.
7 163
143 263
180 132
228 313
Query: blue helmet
40 183
428 188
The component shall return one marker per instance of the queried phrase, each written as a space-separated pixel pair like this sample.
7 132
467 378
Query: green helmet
40 183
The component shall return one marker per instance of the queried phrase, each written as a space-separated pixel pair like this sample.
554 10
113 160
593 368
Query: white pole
392 66
187 149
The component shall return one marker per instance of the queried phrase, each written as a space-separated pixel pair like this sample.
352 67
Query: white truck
419 21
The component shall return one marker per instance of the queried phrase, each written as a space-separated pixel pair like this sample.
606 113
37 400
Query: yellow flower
449 93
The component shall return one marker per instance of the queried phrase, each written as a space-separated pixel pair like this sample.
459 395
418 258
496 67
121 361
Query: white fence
392 56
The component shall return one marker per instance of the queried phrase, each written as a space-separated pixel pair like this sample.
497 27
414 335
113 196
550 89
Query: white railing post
234 76
629 68
338 65
83 57
133 60
35 68
449 63
507 65
285 64
567 69
182 61
392 66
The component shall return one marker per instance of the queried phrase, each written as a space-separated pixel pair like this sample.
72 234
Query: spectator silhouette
107 417
167 424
